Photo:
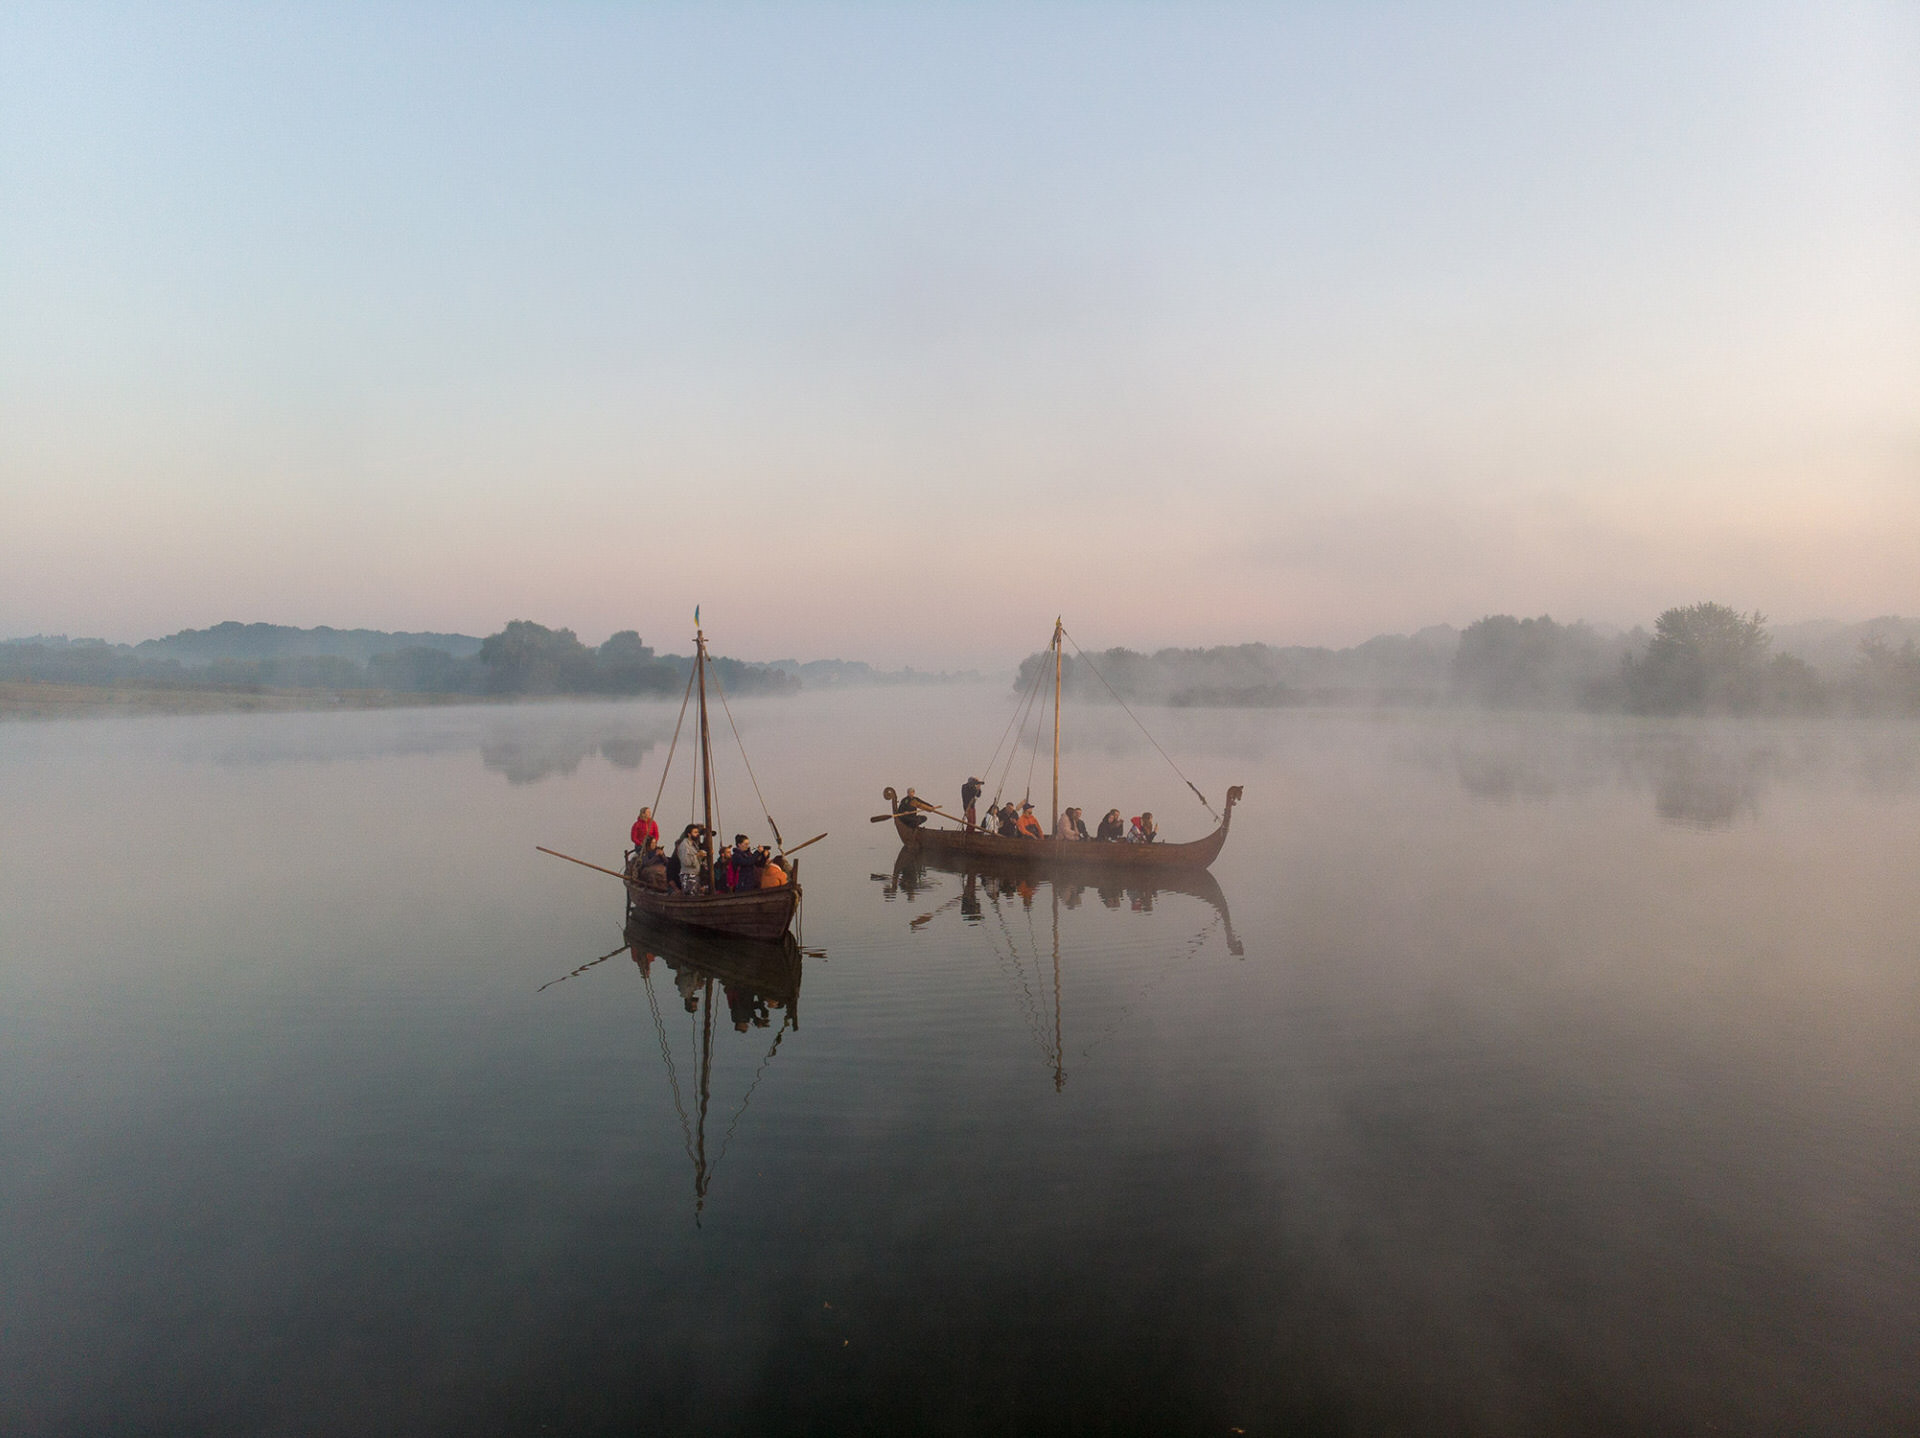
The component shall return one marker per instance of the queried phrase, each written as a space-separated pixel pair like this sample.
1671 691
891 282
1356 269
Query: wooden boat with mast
963 844
753 914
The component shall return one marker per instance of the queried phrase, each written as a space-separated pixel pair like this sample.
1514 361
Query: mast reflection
753 979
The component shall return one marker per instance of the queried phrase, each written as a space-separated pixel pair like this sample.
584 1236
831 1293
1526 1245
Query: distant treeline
1702 658
523 658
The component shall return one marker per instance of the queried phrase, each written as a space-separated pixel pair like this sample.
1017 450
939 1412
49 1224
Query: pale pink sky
890 334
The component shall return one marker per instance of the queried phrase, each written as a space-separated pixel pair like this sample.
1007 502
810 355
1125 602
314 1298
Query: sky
891 331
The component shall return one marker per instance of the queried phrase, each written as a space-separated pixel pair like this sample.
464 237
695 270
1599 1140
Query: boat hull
1092 855
758 914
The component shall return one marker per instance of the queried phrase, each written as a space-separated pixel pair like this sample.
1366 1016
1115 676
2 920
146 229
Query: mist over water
1563 1081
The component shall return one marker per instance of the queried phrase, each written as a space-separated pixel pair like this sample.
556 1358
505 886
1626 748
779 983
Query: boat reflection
752 980
982 881
989 890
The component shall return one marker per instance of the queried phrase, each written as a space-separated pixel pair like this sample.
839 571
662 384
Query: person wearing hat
970 793
1030 823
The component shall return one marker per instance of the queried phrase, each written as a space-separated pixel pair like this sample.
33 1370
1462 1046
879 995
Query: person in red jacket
646 833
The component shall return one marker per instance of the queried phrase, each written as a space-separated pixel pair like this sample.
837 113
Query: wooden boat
753 914
960 844
963 845
762 914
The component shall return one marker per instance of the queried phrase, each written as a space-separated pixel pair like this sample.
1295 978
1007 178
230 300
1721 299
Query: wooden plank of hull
1118 855
760 914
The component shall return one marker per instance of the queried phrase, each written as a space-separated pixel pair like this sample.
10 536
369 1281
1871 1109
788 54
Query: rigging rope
995 757
1142 728
1014 752
1039 726
675 744
721 689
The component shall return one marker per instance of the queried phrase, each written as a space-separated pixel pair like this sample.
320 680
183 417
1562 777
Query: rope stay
1025 706
721 690
1137 724
994 758
675 744
1039 728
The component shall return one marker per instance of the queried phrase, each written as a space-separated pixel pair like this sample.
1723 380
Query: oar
582 862
920 806
798 847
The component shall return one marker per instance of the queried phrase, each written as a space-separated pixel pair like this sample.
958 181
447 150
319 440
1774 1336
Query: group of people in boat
1018 821
736 868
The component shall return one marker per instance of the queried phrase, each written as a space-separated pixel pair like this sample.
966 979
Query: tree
1505 662
1887 680
529 658
1704 657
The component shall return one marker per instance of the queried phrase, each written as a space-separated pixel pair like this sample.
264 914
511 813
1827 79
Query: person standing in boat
687 855
646 834
970 793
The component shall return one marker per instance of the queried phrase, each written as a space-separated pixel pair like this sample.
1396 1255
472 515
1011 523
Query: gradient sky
889 331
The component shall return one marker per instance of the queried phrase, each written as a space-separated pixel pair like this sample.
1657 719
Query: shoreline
23 699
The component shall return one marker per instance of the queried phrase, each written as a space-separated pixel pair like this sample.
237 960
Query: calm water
1521 1076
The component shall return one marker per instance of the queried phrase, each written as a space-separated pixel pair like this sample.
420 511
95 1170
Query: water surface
1521 1075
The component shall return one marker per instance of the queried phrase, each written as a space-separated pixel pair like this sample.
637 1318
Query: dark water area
1519 1075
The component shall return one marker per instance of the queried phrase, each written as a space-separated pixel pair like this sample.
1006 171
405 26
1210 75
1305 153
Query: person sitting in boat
773 873
1112 827
1069 826
1080 824
1029 825
909 809
1142 829
1007 821
687 854
646 833
970 793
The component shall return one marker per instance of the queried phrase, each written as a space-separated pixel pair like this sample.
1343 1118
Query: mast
706 749
1054 828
